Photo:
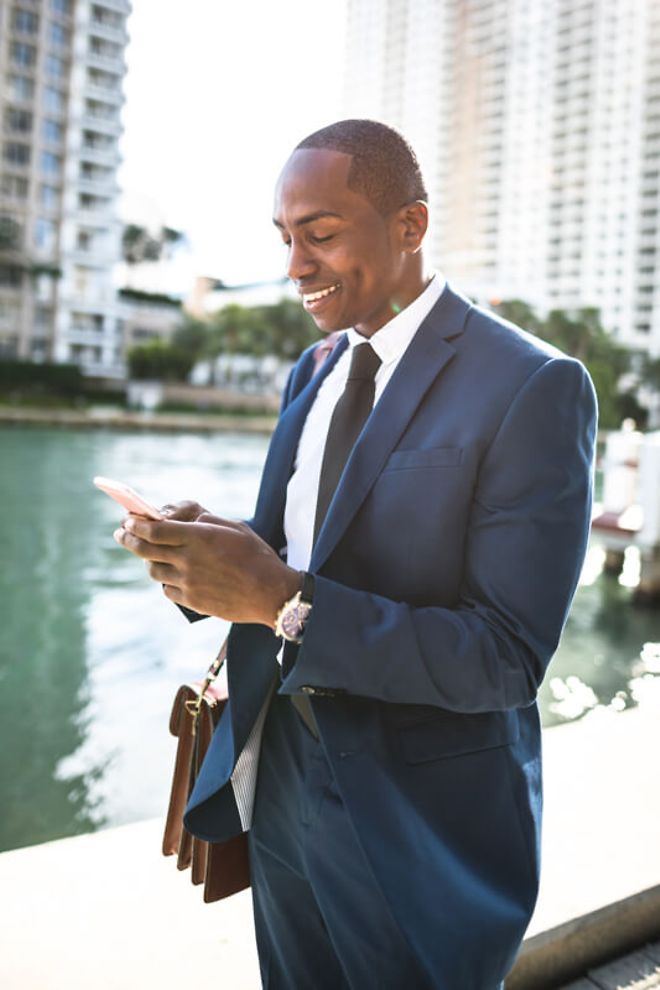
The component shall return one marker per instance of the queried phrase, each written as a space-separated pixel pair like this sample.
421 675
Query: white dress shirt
389 343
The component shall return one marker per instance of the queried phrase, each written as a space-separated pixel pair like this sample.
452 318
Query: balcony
121 6
114 64
110 157
109 32
96 258
104 86
111 126
106 189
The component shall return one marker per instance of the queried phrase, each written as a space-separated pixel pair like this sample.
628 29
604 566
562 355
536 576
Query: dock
108 910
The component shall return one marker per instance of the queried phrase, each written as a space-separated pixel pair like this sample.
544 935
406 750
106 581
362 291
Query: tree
291 328
192 336
138 244
581 334
159 360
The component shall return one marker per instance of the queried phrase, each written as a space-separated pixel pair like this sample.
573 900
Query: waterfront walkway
108 911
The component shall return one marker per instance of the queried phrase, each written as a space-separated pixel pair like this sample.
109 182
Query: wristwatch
291 618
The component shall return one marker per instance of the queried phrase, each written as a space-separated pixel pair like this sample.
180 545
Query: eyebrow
310 218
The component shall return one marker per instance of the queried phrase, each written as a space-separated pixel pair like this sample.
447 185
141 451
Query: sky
218 92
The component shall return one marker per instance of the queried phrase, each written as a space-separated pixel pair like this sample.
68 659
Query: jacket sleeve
524 549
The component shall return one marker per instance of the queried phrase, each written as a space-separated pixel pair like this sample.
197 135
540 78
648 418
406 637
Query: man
429 489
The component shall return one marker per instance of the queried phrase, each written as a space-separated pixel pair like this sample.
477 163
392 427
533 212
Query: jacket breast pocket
429 457
448 735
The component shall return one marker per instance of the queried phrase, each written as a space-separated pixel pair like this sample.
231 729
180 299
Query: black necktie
349 416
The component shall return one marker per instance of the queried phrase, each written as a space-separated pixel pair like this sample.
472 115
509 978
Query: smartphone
127 497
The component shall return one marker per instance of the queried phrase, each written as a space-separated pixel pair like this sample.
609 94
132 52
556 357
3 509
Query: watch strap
307 587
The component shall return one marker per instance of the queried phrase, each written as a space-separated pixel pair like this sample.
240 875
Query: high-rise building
61 72
537 123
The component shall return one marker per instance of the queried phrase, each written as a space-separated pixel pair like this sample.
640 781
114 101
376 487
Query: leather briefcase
222 867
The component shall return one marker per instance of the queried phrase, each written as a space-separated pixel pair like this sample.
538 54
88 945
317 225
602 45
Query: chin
328 326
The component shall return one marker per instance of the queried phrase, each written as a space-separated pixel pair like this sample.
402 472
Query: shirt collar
392 339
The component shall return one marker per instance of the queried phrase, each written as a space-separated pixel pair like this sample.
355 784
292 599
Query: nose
299 263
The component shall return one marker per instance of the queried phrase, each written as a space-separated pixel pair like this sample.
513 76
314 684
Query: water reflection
91 652
600 659
43 689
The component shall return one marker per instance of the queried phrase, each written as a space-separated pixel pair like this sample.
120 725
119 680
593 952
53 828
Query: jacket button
307 689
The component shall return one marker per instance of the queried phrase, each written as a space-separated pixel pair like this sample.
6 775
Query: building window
84 240
44 287
50 164
58 35
54 100
50 197
24 21
55 67
43 319
97 141
11 234
10 277
38 350
21 88
61 6
89 202
17 154
18 120
110 18
104 80
52 131
22 54
14 186
103 48
45 235
8 345
88 321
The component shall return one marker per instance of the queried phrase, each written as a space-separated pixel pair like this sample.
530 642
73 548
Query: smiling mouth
311 297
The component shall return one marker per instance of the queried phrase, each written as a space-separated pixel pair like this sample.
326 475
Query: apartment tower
537 123
61 72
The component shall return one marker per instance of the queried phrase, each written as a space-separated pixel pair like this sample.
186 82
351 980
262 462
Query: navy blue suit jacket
444 572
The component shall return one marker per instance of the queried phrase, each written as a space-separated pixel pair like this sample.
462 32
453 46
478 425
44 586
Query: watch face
293 620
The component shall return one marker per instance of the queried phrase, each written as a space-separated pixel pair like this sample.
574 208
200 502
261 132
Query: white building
61 69
537 124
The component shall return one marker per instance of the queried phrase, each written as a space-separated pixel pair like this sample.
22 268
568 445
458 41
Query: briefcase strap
194 705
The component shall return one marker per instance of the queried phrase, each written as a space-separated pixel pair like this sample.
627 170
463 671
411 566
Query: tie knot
364 363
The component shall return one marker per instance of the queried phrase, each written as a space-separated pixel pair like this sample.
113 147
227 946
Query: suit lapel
282 451
426 356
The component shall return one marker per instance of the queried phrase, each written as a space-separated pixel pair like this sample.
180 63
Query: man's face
345 259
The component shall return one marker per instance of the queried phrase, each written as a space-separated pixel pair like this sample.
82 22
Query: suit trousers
321 920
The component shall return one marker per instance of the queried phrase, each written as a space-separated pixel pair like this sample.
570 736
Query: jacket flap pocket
425 457
447 735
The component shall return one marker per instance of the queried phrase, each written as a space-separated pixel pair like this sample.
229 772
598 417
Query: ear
412 223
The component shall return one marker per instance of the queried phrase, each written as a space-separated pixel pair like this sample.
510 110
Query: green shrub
26 378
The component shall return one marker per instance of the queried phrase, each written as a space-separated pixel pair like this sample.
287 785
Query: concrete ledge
166 422
107 910
551 958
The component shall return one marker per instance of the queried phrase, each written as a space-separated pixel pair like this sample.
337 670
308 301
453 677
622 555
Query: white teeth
313 296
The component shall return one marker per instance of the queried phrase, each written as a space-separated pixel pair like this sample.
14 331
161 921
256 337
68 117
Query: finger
147 551
165 532
174 594
163 573
182 511
207 517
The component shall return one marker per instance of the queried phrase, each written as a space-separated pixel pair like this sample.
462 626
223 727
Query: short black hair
384 168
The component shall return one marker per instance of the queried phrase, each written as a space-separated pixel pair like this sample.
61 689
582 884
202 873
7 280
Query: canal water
91 652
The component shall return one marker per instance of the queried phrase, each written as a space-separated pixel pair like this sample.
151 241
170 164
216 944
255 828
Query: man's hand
183 511
212 565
